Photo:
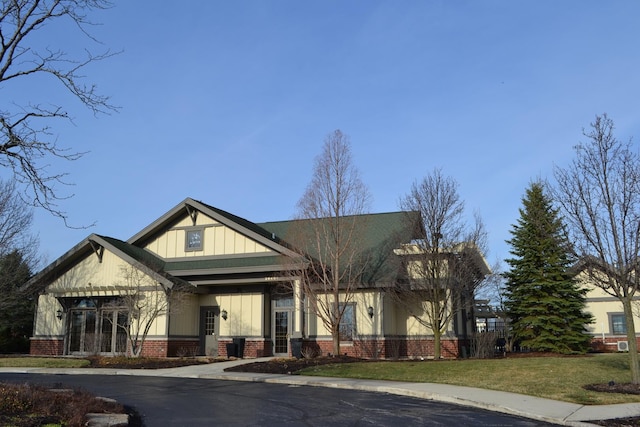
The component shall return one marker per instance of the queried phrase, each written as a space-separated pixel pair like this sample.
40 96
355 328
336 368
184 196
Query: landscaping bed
289 365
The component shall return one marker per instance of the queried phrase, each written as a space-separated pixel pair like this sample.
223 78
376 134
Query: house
237 291
608 329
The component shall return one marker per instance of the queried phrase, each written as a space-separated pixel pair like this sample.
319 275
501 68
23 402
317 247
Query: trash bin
232 350
296 347
239 343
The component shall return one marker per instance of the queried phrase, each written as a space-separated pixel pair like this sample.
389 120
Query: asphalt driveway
164 401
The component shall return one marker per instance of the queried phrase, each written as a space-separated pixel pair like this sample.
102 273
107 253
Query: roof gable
95 245
192 208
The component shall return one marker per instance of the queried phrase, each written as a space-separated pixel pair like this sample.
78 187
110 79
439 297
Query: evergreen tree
544 303
16 306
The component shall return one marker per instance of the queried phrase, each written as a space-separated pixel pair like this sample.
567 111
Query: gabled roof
234 222
138 257
381 230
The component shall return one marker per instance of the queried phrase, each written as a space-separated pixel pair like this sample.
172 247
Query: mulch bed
290 366
142 362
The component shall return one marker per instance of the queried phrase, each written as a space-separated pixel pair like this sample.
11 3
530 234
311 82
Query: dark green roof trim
224 263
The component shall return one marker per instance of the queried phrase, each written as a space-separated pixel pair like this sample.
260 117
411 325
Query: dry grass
42 362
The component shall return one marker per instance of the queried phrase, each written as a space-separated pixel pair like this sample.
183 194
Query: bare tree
599 193
332 233
145 300
18 258
15 224
446 265
25 125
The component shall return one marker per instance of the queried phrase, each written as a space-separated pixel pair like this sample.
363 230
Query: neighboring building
609 329
230 274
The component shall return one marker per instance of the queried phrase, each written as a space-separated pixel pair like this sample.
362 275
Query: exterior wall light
370 311
59 314
224 314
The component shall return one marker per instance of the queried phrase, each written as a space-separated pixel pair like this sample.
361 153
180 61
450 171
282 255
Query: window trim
187 232
612 324
353 322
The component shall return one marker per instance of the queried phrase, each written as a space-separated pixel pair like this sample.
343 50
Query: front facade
201 281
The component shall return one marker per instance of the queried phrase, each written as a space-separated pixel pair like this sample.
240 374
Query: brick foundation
253 347
46 347
183 347
385 348
609 345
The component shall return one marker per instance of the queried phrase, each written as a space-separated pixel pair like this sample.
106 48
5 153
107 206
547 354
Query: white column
298 311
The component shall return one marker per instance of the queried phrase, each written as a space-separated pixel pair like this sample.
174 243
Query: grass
42 362
558 378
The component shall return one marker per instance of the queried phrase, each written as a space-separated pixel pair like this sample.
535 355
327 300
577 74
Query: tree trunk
336 342
437 335
631 338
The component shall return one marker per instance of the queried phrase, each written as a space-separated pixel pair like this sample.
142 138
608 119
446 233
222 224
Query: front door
82 332
281 330
113 337
209 329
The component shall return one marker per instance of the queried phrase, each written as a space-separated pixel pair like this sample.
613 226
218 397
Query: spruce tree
544 302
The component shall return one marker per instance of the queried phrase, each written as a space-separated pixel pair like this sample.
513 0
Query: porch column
298 311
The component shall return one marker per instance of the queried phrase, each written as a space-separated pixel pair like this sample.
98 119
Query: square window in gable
194 238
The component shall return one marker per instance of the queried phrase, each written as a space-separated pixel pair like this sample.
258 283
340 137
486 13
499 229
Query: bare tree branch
330 232
444 267
599 193
26 139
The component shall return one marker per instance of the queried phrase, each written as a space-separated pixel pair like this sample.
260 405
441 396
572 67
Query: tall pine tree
545 304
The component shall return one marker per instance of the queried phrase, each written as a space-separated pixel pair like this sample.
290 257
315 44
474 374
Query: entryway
209 330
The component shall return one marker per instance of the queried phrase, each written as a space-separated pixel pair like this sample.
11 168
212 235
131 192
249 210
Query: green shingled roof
378 228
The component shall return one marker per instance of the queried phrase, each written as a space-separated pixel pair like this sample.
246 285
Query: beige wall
601 305
400 321
46 322
90 277
218 240
245 315
364 324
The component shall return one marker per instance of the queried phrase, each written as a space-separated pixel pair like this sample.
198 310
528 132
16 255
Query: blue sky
229 102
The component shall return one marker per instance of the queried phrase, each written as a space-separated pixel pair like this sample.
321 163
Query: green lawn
559 378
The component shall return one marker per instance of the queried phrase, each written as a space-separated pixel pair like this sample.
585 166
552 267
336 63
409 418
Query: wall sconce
59 314
370 311
224 314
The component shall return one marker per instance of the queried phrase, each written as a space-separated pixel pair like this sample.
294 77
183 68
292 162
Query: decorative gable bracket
97 249
193 214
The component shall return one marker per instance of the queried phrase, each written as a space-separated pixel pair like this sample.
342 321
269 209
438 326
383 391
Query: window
347 322
194 239
618 324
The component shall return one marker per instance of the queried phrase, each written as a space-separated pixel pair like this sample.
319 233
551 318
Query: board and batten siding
217 240
90 278
245 314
